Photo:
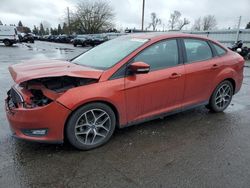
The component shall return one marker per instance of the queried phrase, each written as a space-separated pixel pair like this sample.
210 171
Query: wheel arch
112 106
230 79
233 82
226 74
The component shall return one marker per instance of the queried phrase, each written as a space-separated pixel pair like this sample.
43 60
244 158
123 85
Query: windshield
109 53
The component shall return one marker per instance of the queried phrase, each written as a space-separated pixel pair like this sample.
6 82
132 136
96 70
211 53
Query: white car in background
8 35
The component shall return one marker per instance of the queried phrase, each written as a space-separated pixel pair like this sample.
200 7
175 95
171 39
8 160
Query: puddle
235 107
65 49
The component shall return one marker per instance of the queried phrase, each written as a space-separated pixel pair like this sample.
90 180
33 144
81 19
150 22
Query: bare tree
93 16
206 23
154 21
182 23
197 24
209 22
174 19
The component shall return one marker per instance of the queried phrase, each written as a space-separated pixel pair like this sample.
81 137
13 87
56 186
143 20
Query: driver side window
160 55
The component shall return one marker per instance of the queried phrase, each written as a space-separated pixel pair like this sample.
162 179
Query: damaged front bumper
40 123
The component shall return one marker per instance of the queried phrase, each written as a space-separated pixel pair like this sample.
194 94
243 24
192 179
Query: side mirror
238 50
139 68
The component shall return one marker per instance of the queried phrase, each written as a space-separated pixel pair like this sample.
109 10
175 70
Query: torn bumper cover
42 123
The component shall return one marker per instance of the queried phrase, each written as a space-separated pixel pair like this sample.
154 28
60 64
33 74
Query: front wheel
7 43
91 126
221 97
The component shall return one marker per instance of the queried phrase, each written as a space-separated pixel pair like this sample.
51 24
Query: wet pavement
195 148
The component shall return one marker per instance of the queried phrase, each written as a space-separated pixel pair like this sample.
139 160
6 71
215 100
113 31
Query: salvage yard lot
191 149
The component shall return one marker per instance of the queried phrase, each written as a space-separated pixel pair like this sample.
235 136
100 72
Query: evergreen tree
59 29
20 24
1 23
47 31
65 28
35 30
42 31
51 31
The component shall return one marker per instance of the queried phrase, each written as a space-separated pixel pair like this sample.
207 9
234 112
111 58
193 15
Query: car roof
165 35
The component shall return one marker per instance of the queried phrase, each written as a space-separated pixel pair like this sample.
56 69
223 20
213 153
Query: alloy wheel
223 96
92 126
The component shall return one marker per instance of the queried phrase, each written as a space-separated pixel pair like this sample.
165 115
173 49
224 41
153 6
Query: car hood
30 70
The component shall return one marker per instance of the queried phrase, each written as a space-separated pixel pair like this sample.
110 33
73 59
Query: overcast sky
127 12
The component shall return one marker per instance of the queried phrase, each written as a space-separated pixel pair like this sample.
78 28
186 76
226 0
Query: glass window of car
220 51
160 55
197 50
109 53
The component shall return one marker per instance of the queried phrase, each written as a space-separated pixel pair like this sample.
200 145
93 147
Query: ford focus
122 82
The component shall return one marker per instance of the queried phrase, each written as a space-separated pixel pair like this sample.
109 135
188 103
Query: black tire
7 43
81 132
219 101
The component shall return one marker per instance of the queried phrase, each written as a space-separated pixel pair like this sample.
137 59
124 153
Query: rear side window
160 55
220 51
197 50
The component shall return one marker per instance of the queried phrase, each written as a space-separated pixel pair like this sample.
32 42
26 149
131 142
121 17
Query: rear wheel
221 97
91 126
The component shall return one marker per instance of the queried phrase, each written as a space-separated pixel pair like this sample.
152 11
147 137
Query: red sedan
125 81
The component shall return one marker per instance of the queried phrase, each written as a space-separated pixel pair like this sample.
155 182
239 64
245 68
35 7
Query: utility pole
68 20
142 21
238 30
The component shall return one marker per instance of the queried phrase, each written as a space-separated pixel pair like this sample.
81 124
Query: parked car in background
44 38
124 81
8 35
90 39
97 39
64 38
27 37
52 38
61 39
36 37
82 40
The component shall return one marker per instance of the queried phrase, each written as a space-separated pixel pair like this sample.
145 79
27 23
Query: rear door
160 90
200 70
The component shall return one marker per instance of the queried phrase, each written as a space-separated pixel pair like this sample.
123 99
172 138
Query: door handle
175 75
215 66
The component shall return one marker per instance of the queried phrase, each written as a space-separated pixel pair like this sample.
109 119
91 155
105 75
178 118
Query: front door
160 90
